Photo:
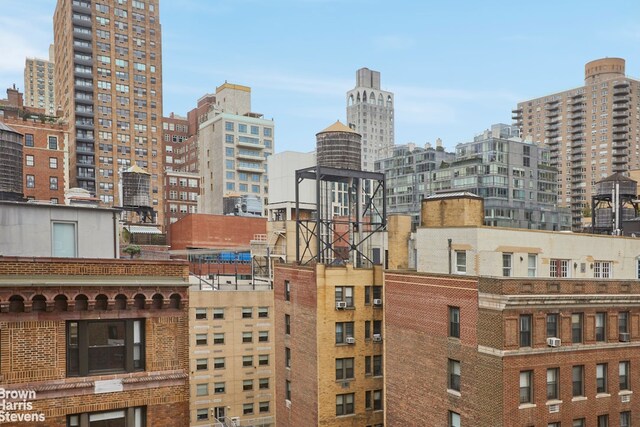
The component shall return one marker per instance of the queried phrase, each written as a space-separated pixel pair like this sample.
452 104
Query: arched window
101 302
358 98
121 302
174 301
350 100
364 97
60 303
380 100
82 303
389 101
16 304
38 303
139 301
372 98
157 301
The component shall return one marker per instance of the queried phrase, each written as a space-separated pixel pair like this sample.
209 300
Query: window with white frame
64 239
532 265
559 268
461 262
507 262
602 269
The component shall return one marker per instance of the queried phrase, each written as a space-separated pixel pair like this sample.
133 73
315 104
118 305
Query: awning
141 229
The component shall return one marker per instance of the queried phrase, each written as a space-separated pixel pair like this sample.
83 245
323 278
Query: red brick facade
491 355
302 309
215 231
38 299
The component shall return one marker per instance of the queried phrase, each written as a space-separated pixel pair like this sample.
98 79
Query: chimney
399 232
460 209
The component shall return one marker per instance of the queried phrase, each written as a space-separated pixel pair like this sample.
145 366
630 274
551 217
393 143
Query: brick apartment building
93 339
44 151
329 363
511 327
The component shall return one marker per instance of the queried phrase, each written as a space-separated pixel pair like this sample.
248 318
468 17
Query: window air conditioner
377 338
554 342
377 302
350 340
623 337
341 304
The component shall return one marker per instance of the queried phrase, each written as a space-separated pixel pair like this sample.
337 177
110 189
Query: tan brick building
95 340
109 86
231 355
517 327
39 83
592 130
329 363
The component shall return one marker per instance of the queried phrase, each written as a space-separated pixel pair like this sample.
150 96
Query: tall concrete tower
370 113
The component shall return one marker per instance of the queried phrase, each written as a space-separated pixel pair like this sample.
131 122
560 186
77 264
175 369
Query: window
367 365
202 389
263 359
623 322
344 404
242 128
454 322
602 269
64 239
201 313
454 374
377 365
53 163
576 328
625 419
228 126
461 262
287 324
623 373
578 380
247 361
201 339
532 265
506 264
344 294
28 141
247 409
263 383
53 183
218 313
95 347
287 290
263 336
552 325
601 378
263 407
553 386
367 295
132 416
367 329
525 330
559 268
343 330
218 363
454 419
53 143
202 364
247 337
526 387
601 327
29 160
603 420
247 312
202 414
263 312
31 181
344 368
218 338
287 357
579 423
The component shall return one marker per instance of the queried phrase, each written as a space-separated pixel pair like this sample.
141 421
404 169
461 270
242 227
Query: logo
17 406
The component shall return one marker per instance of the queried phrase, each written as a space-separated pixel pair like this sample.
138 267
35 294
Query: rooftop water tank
136 187
339 146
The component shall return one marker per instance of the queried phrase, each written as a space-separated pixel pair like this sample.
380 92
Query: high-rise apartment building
39 83
370 113
234 144
408 174
109 86
512 175
592 131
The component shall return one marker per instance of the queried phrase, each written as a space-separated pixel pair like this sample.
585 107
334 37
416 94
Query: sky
456 67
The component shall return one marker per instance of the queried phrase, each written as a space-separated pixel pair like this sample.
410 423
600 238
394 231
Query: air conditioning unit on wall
554 342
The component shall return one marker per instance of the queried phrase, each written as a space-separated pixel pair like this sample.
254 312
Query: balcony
620 114
250 167
620 137
620 129
579 108
620 99
620 83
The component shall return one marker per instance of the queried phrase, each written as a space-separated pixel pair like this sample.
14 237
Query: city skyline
506 57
